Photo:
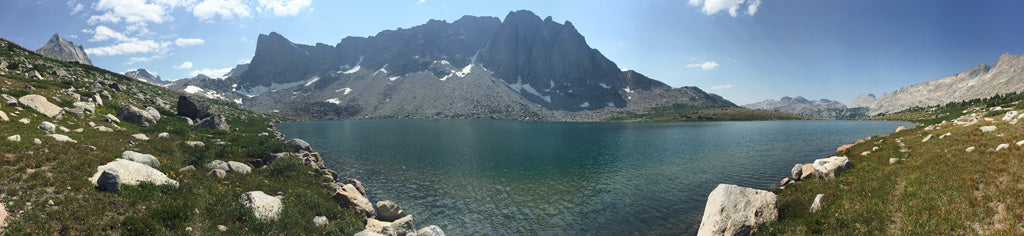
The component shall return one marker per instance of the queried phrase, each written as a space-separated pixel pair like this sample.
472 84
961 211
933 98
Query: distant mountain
216 88
142 74
983 81
863 100
822 108
522 68
64 50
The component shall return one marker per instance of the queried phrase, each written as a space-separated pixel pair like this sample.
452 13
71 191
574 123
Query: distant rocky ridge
983 81
524 68
216 88
822 108
145 76
64 50
863 100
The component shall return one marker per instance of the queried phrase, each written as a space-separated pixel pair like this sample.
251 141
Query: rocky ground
86 152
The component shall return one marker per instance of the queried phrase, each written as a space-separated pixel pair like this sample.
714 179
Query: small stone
1020 143
901 128
163 135
14 138
63 129
431 230
239 167
865 153
220 174
195 143
970 149
893 160
37 141
25 121
218 164
47 126
926 138
142 137
1002 146
945 135
78 130
818 201
61 138
222 228
187 168
781 183
320 221
986 129
110 119
874 149
104 129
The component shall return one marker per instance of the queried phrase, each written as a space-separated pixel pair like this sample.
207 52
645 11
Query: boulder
986 129
356 183
829 168
1020 143
14 138
109 181
77 112
1002 146
218 164
193 107
1010 115
134 115
806 171
796 172
320 221
3 116
187 120
48 127
86 106
98 99
925 139
133 173
348 196
61 138
239 167
220 174
298 145
41 105
735 210
142 137
400 227
818 201
431 230
844 147
213 122
143 158
110 118
389 211
901 128
153 113
274 156
264 207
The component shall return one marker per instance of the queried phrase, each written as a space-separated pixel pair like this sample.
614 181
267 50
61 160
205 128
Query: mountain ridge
64 50
1004 76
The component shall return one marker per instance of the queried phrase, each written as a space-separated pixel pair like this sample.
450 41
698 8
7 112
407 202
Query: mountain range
64 50
822 108
522 68
145 76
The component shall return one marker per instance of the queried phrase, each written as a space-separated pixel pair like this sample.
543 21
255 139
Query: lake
473 177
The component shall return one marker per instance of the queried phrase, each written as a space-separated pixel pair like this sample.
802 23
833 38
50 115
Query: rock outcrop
348 196
983 81
735 210
193 108
264 207
133 173
64 50
145 76
40 104
134 115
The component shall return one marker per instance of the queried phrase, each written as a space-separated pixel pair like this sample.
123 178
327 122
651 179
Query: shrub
136 225
996 113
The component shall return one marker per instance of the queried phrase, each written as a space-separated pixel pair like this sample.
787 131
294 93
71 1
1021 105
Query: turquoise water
476 177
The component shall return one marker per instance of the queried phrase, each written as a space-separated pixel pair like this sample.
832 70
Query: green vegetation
45 188
689 113
936 188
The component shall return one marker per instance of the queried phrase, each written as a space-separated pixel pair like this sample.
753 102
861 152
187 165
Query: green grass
33 175
939 189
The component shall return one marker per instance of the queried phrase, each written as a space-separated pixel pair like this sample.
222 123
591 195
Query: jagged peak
519 15
56 37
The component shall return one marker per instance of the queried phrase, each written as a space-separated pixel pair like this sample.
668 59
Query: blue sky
744 50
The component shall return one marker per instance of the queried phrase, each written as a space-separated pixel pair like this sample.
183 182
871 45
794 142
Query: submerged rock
735 210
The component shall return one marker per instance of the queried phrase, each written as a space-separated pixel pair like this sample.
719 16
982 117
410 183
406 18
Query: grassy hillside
936 187
688 113
45 190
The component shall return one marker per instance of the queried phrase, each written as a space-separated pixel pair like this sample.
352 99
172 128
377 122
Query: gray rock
98 99
356 183
389 211
320 221
1000 147
109 181
431 230
64 50
188 120
274 156
239 167
367 233
142 137
110 118
735 210
218 164
61 138
42 105
264 207
222 228
220 174
298 145
14 138
193 107
134 115
818 201
348 196
195 143
77 112
987 129
400 227
36 141
164 135
3 116
796 172
925 139
48 127
153 113
829 168
970 149
187 168
133 173
143 158
213 122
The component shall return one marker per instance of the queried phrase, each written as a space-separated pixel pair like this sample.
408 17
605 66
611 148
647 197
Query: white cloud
131 11
720 87
423 1
284 7
183 42
215 73
130 46
78 8
711 7
185 65
707 65
102 33
227 9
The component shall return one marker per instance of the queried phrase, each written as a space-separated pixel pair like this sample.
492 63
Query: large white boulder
133 173
735 210
264 207
41 105
829 168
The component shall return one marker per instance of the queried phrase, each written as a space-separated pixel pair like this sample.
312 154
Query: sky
744 50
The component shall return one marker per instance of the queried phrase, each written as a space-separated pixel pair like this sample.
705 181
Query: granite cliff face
863 100
144 75
822 108
983 81
522 68
64 50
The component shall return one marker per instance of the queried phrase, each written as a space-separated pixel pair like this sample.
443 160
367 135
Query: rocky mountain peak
144 75
64 50
863 100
